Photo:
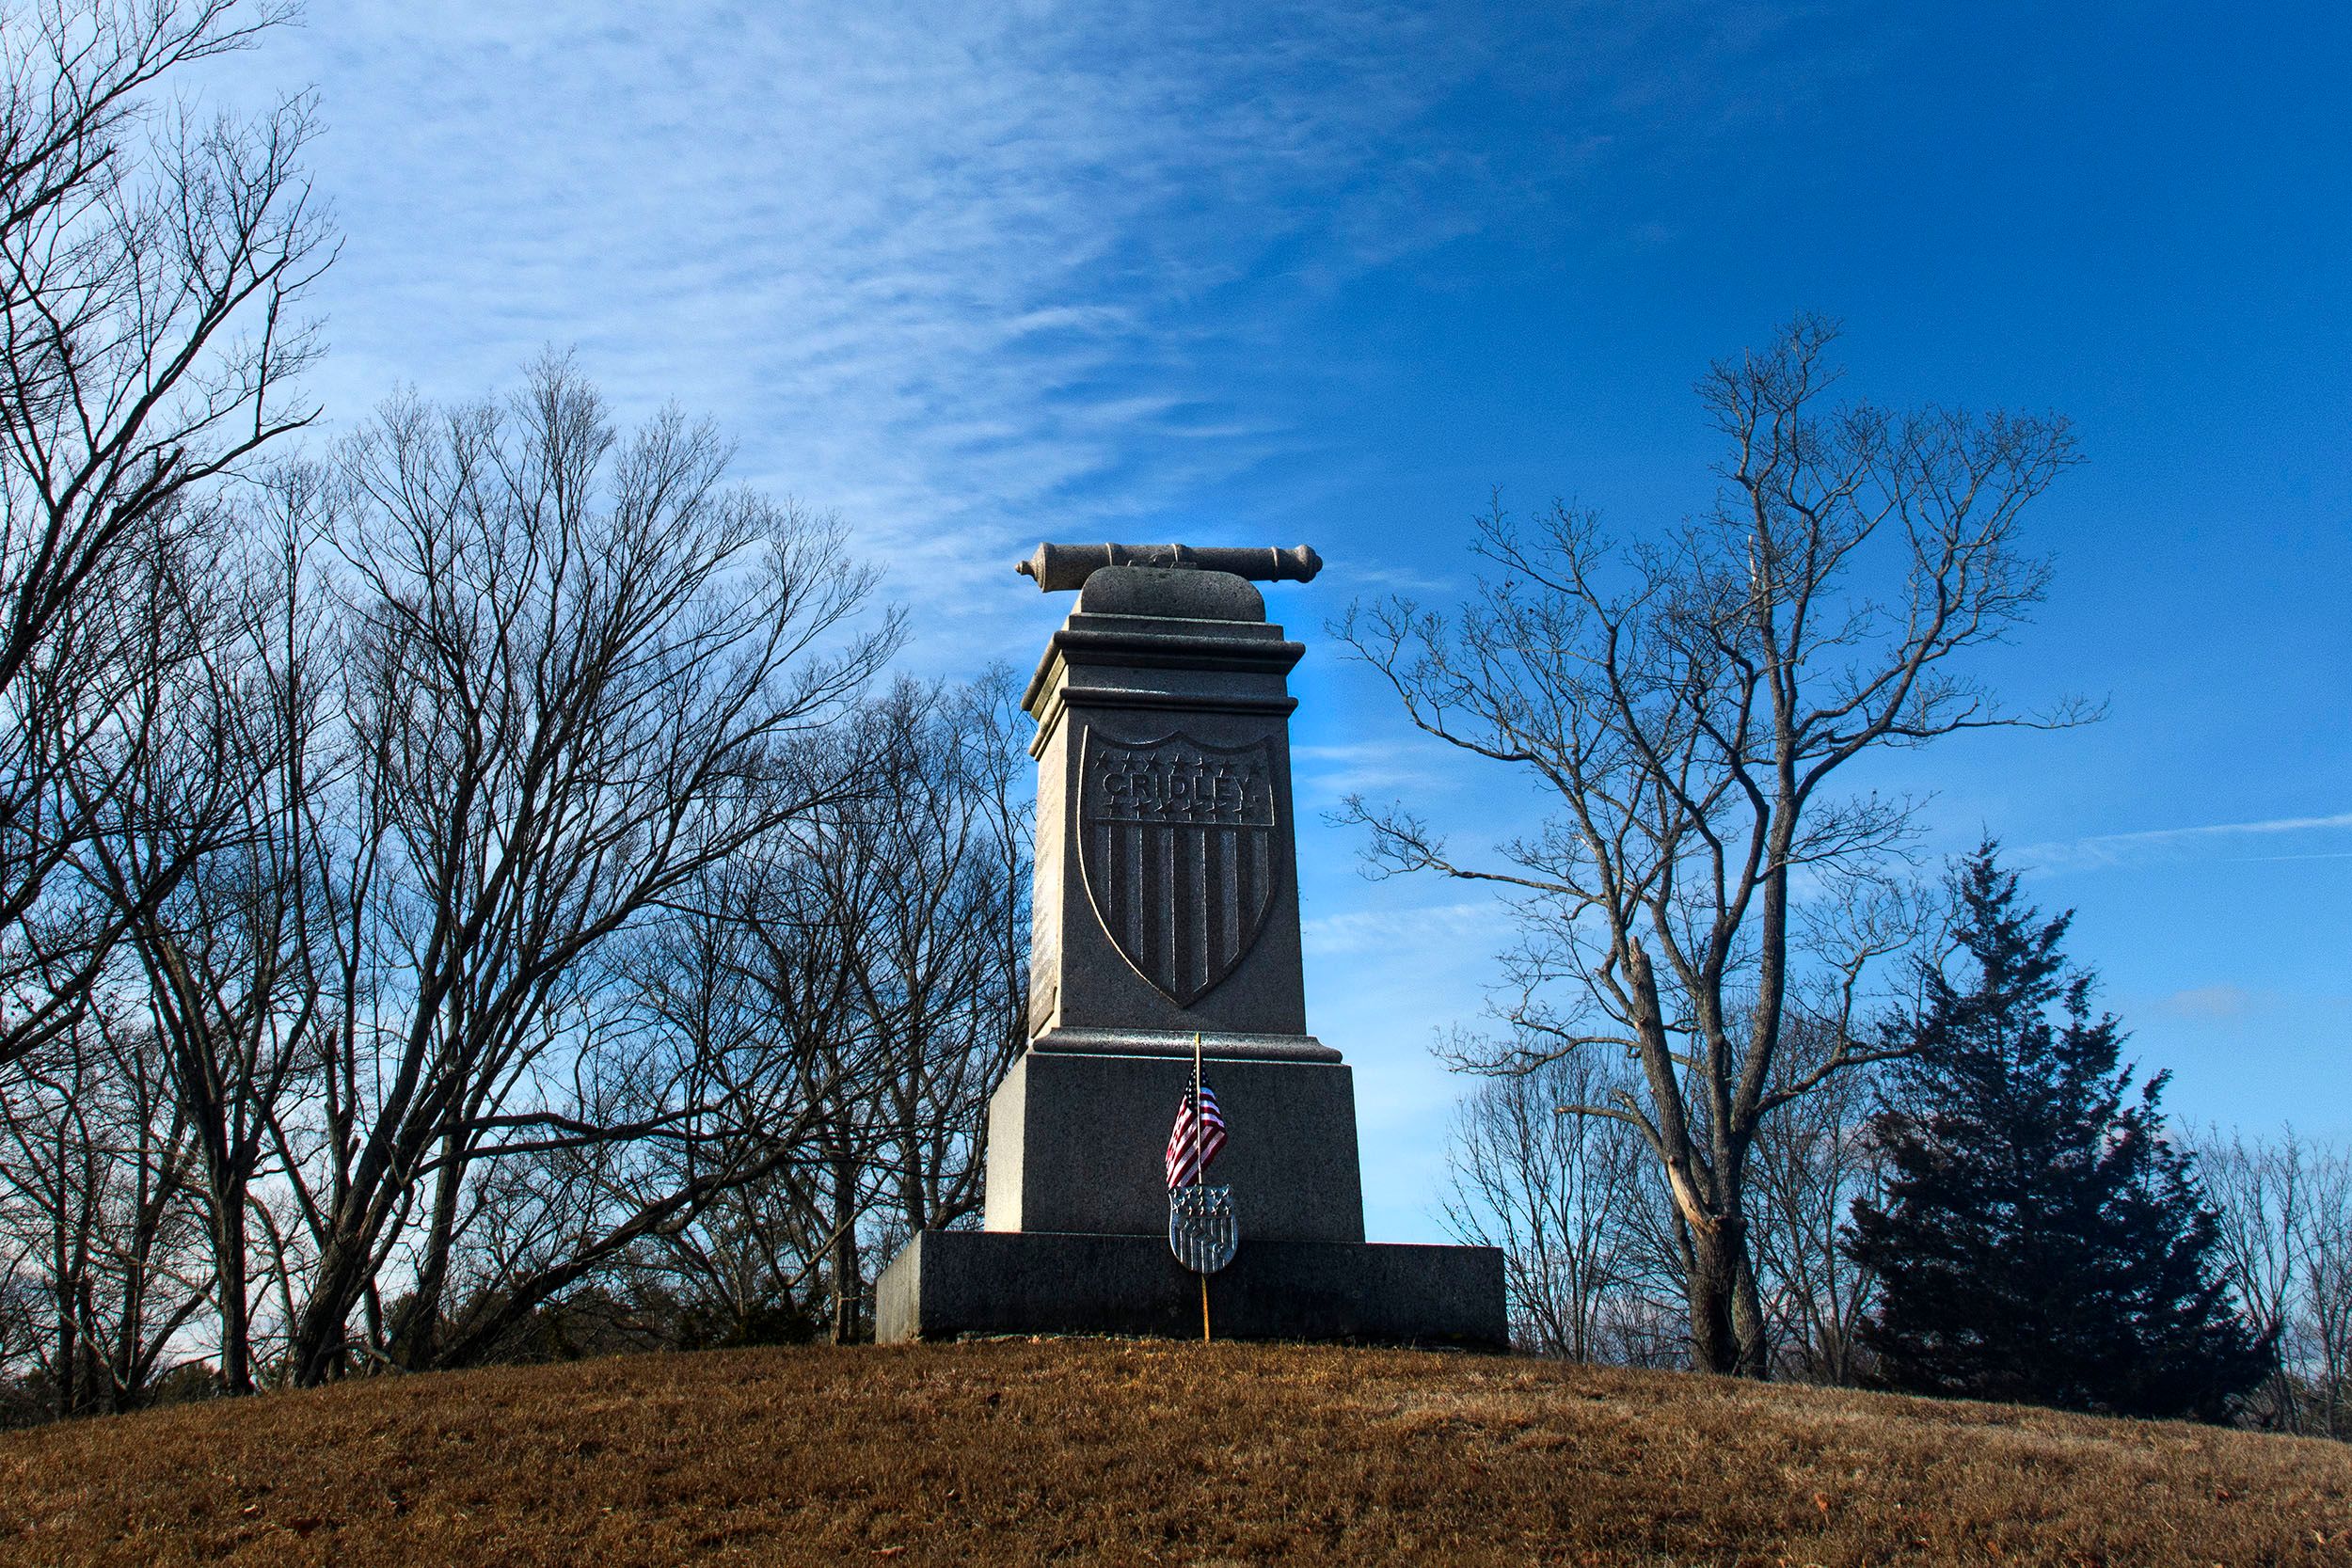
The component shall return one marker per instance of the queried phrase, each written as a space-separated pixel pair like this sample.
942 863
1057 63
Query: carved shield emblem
1202 1229
1176 838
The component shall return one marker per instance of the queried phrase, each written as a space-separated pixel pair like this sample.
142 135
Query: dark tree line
1999 1210
535 925
465 891
1692 709
1698 1075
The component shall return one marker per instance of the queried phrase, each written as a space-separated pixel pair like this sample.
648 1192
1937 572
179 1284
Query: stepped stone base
947 1283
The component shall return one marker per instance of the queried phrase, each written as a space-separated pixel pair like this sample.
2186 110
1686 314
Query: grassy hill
1129 1453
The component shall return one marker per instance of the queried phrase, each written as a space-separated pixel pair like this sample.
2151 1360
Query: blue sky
974 276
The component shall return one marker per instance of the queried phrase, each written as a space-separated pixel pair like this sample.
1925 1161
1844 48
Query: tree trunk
1747 1321
69 1351
124 1368
233 1288
315 1351
224 1178
1719 1263
846 1285
417 1332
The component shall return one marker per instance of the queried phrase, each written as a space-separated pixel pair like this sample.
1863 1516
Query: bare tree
714 1108
1557 1193
2285 1208
938 958
212 854
1813 1158
1690 706
579 673
757 974
884 943
152 266
918 886
2322 1342
2261 1193
95 1164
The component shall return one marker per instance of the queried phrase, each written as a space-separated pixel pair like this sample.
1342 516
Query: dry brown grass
1111 1451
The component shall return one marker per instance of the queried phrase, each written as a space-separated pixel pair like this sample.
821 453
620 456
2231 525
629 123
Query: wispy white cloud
2312 837
1329 774
1415 931
2214 1002
960 273
968 275
1414 580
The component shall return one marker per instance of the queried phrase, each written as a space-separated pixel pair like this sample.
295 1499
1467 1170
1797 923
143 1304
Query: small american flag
1191 1149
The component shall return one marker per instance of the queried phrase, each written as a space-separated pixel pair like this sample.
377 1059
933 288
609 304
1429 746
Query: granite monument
1165 906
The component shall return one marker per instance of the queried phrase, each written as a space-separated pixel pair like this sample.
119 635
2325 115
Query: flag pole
1198 1175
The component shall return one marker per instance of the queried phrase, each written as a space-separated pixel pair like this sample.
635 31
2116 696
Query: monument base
946 1283
1077 1144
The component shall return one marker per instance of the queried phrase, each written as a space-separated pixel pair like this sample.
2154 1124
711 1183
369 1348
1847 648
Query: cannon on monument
1058 568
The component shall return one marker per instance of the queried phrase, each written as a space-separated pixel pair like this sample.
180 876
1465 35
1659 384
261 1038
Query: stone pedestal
1076 1144
1166 907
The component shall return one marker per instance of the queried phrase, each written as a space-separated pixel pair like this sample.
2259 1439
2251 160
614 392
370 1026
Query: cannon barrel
1057 568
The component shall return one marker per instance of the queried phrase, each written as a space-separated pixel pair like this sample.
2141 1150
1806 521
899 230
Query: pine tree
2041 1241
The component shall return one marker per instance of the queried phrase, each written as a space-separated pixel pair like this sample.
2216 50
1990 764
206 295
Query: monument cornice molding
1066 697
1275 655
1191 650
1165 652
1218 1044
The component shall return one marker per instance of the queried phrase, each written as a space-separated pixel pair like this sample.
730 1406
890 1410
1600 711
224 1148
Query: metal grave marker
1203 1231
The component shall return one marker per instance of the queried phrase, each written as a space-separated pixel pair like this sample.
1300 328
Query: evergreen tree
2041 1241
